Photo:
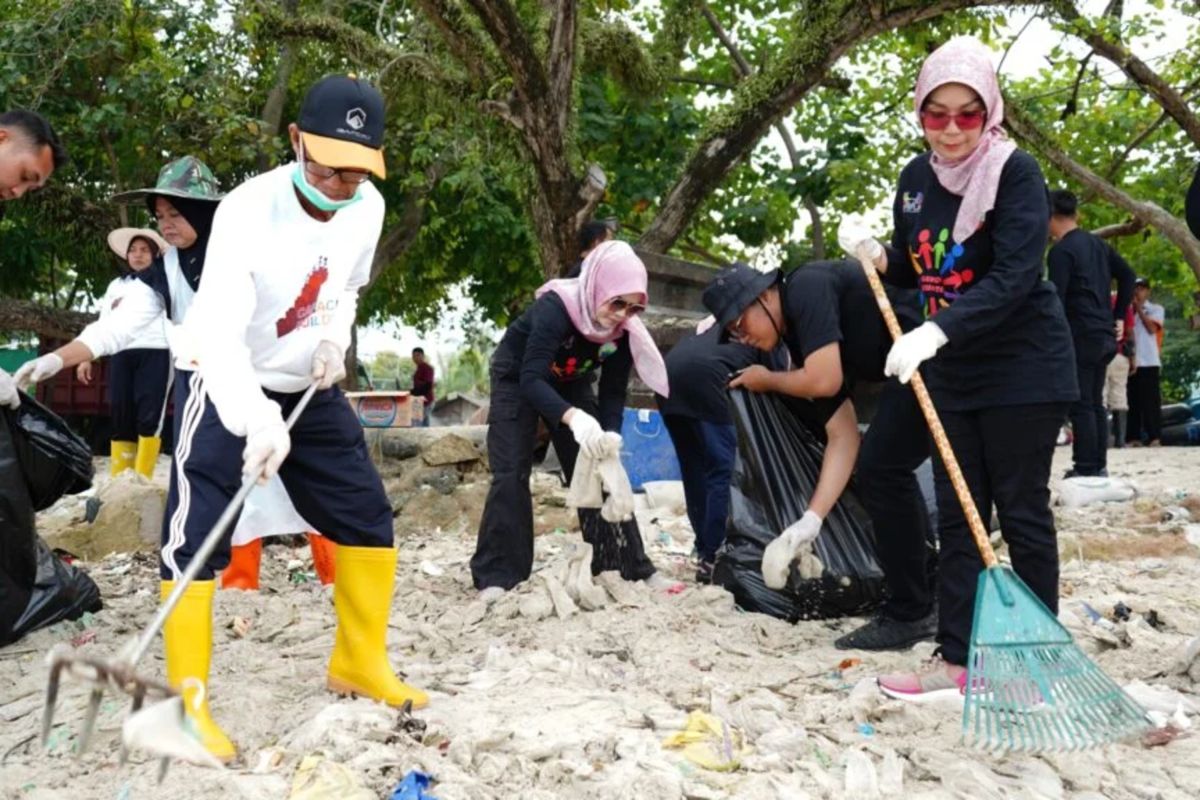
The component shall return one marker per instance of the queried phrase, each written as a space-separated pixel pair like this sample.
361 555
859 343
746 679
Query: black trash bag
55 460
60 591
40 460
778 463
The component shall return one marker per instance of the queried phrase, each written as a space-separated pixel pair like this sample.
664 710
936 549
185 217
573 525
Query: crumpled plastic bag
320 779
1084 491
413 787
603 483
162 729
709 742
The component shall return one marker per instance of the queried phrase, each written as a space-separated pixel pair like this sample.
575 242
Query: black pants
706 453
139 381
328 475
1145 405
895 445
1089 420
504 549
1005 455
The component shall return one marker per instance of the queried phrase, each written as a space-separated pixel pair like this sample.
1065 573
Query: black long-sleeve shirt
1009 343
542 350
1083 266
699 368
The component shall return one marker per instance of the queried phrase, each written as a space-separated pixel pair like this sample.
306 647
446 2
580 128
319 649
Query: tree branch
1024 128
1137 70
1126 228
504 28
46 322
827 31
560 64
463 42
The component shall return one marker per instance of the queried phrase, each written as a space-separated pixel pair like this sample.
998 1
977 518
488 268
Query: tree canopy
716 131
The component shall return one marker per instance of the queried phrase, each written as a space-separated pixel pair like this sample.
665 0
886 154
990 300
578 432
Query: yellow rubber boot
187 639
324 554
147 455
124 454
362 595
244 563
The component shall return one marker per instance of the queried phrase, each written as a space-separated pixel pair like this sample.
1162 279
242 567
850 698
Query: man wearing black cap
1145 393
825 315
288 253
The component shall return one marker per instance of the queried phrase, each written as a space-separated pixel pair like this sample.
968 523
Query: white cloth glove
328 365
618 505
853 234
8 391
779 555
267 445
588 433
913 348
38 370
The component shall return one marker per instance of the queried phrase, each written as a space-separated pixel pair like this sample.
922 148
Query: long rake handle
206 549
974 522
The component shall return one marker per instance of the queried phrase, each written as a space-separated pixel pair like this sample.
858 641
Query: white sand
577 707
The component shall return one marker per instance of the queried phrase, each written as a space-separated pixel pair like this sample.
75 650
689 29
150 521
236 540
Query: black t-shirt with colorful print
543 350
1009 343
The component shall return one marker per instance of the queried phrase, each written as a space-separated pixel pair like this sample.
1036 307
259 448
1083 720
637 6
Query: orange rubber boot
324 555
242 572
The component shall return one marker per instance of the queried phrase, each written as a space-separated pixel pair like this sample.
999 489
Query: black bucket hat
734 288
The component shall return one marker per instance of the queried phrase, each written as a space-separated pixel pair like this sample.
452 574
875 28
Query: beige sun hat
120 239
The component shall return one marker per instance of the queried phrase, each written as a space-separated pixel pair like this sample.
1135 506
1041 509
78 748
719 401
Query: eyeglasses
349 176
620 304
965 120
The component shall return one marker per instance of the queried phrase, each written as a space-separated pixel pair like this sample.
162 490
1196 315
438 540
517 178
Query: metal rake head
116 674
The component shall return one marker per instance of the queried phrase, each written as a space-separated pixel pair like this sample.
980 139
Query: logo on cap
356 118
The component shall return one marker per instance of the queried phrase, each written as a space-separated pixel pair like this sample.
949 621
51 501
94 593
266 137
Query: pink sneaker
936 679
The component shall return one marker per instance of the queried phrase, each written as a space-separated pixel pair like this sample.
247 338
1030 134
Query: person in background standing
1145 393
591 235
1116 389
701 428
1083 267
423 382
140 374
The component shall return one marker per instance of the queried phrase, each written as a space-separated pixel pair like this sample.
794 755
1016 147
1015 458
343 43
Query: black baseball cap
734 288
1142 282
341 122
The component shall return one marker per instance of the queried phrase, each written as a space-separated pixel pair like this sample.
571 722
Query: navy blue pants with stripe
139 381
328 475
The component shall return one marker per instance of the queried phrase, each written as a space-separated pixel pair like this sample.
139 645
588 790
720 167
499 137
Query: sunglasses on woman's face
619 304
965 120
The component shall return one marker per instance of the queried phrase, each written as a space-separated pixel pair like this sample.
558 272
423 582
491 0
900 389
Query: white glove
328 365
267 445
853 235
913 348
38 370
8 391
779 555
588 433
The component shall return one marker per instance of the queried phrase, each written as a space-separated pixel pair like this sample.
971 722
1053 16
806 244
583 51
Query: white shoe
661 583
491 594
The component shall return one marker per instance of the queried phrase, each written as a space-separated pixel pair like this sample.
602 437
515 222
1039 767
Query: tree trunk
1147 213
272 113
20 316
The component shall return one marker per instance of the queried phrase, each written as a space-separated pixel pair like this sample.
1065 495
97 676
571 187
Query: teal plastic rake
1029 686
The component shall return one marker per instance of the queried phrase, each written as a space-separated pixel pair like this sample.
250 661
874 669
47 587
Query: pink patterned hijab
975 178
612 269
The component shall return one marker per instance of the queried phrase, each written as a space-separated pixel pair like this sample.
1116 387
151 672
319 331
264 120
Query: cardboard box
382 409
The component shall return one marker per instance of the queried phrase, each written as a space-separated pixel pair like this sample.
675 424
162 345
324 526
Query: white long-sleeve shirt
142 314
276 284
151 336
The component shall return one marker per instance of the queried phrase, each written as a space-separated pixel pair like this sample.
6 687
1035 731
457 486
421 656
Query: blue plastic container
647 452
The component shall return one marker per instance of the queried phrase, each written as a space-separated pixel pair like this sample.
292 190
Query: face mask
314 195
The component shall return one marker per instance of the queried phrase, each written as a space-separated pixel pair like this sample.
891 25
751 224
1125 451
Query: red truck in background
85 407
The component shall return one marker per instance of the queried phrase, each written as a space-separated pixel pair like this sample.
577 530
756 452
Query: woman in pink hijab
544 369
971 219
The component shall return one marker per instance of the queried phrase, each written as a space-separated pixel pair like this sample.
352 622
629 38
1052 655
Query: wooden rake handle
978 531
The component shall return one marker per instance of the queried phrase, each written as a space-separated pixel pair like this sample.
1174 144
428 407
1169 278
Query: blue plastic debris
413 787
866 729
